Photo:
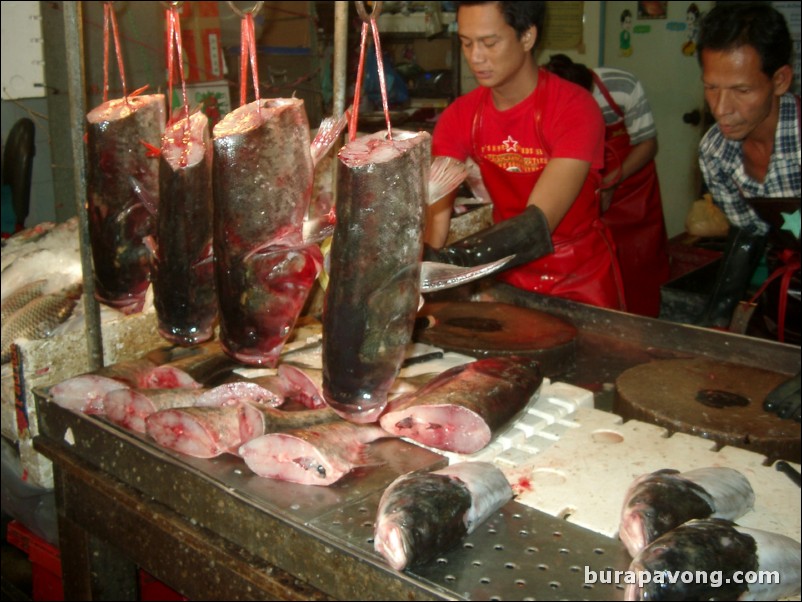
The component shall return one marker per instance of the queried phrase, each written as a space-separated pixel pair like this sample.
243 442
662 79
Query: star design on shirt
510 144
791 222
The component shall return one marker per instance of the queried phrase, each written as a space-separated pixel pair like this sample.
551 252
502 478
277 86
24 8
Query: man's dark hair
731 25
563 66
519 15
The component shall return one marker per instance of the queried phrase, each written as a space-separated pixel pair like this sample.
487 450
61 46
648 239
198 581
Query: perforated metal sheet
518 554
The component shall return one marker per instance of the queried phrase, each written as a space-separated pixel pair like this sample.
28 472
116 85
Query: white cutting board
584 476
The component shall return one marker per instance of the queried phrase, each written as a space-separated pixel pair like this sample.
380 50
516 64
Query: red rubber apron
635 219
583 266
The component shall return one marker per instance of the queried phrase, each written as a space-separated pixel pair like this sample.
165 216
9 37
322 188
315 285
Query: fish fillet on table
461 409
318 455
200 432
130 408
85 392
123 192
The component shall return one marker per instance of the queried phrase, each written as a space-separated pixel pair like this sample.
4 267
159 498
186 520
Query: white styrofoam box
48 361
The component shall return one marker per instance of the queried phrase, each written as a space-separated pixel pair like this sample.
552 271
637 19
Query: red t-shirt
571 123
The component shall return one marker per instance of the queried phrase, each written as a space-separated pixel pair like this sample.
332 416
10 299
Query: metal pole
340 52
76 85
338 77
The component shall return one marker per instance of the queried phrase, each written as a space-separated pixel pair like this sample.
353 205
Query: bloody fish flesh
319 455
200 432
716 547
183 268
85 392
461 409
130 408
262 181
423 514
123 190
659 501
303 385
373 291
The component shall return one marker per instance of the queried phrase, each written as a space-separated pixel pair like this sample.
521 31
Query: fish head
393 540
633 528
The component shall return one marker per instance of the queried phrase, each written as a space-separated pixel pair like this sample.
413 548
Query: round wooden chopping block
711 399
485 329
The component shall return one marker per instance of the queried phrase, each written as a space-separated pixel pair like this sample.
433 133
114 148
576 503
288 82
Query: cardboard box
202 42
287 24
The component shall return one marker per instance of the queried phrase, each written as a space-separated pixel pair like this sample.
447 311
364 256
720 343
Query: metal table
212 530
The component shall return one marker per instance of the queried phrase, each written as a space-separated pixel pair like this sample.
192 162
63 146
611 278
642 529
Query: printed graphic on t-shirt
510 156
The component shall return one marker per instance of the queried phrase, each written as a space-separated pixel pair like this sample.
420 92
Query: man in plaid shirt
753 151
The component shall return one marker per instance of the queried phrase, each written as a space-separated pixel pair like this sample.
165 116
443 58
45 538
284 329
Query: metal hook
257 6
363 14
169 5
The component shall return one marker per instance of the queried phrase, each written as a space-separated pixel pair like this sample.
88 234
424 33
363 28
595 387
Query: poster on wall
625 34
652 10
563 28
692 17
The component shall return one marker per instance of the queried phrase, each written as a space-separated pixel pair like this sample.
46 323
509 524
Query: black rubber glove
784 400
527 236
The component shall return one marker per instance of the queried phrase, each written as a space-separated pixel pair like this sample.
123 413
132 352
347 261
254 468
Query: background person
538 141
751 159
630 198
752 153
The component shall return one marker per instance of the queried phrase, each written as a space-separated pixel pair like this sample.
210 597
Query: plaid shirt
721 162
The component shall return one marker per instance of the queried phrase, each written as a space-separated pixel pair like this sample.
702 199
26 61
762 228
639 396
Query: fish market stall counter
211 529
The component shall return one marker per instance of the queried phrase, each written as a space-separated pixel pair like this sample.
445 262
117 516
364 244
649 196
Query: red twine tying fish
248 50
369 22
110 22
174 46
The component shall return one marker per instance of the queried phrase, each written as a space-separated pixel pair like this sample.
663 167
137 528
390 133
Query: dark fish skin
183 271
424 514
666 501
36 320
657 502
462 408
374 289
262 181
722 547
121 179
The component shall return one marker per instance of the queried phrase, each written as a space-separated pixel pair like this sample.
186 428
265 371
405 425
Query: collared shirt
721 162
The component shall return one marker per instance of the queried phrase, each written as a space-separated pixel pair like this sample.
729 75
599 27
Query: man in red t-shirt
539 143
